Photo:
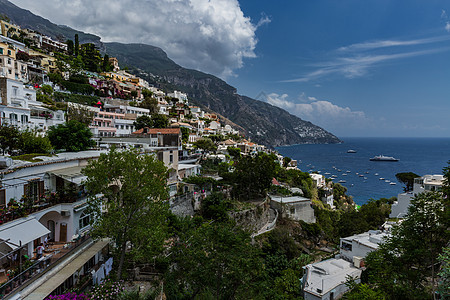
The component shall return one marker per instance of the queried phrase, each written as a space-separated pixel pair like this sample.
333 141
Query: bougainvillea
69 296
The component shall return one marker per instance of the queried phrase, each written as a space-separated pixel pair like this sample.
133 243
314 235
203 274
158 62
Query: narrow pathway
270 224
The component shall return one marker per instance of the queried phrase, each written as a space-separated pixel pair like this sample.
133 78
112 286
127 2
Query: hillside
263 122
260 121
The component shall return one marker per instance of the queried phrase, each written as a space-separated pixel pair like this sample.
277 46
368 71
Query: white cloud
320 112
392 43
355 65
210 35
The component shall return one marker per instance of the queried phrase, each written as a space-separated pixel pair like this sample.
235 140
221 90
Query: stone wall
252 219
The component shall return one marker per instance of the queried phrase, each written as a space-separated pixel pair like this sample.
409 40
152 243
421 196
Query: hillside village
302 222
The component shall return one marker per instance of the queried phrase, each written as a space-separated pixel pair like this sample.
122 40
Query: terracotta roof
229 142
158 130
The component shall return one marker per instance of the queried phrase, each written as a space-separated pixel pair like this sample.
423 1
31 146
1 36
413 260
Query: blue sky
357 68
354 67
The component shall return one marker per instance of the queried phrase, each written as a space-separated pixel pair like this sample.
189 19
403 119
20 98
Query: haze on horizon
363 68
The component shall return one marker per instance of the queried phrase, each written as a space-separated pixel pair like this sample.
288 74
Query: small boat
367 172
383 158
365 177
342 181
361 175
348 171
351 151
381 178
387 181
392 183
345 174
327 173
376 174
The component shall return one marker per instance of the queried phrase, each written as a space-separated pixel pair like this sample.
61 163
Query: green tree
79 113
9 137
214 261
70 47
71 136
106 66
76 47
444 274
91 57
205 144
184 134
253 175
403 265
160 121
234 152
142 122
46 90
151 104
407 179
215 207
286 161
31 142
133 188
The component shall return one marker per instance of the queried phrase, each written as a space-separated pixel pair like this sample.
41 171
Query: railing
40 266
19 210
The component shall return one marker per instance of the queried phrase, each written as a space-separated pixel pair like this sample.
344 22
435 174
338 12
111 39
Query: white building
182 97
422 184
295 207
58 212
361 244
318 179
20 108
326 280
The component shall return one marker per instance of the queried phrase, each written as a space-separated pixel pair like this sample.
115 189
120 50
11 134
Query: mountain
262 122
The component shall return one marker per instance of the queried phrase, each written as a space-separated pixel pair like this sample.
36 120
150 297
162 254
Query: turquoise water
419 155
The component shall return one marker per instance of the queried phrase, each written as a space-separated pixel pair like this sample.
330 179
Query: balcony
26 206
22 274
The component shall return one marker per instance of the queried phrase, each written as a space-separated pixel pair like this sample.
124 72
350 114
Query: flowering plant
108 290
68 296
46 115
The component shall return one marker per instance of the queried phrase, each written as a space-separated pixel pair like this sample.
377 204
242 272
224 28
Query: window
34 189
1 50
84 220
2 198
346 246
24 118
9 52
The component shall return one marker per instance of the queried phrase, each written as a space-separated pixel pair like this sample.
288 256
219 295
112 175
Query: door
63 232
51 227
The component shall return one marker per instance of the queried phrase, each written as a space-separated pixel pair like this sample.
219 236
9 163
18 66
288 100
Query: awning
72 174
23 231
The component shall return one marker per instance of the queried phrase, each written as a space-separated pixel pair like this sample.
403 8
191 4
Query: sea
363 177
